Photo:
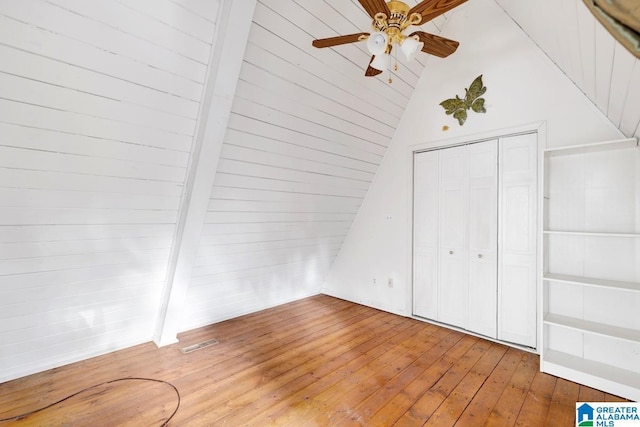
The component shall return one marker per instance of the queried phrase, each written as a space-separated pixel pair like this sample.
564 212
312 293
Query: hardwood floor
320 361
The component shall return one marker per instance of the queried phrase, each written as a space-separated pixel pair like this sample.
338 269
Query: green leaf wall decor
458 107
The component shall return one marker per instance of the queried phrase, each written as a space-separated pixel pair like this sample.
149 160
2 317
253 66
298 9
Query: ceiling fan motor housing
397 22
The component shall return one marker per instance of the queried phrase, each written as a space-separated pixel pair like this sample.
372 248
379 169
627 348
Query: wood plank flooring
320 361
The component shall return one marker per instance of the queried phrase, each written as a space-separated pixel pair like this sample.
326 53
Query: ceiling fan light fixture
381 62
410 47
377 43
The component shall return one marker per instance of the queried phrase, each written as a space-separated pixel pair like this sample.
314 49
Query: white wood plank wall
305 138
580 46
99 105
98 108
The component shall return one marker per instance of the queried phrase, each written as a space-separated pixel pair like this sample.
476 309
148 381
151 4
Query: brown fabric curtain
621 18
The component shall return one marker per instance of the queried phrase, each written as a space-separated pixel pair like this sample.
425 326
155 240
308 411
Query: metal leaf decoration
458 107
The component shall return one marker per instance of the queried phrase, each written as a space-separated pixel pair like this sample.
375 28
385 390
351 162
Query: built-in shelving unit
591 278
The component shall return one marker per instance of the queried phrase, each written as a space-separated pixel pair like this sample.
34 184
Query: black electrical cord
26 414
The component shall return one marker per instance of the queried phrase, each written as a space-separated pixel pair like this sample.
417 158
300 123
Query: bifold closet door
517 296
425 230
455 236
466 200
453 266
483 237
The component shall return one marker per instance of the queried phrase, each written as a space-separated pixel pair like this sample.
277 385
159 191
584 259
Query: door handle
450 252
479 255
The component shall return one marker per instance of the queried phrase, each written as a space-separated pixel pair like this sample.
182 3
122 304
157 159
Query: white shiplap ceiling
580 46
305 138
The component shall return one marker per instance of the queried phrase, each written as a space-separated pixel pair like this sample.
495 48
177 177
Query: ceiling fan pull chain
395 56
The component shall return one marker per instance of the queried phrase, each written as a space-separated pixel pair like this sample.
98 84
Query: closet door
425 229
518 254
483 237
475 242
453 295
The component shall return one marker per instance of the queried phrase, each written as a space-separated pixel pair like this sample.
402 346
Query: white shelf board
610 379
632 335
589 233
618 144
591 281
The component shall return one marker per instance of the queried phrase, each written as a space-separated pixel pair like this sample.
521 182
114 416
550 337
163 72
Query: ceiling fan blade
375 6
430 9
335 41
370 70
436 45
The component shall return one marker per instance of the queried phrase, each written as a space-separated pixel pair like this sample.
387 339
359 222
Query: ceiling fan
390 19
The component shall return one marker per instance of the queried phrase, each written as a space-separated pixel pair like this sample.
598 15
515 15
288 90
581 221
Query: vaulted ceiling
308 131
580 46
564 29
100 111
305 138
583 49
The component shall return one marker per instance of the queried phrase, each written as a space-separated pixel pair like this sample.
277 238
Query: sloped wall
524 86
99 236
305 137
98 108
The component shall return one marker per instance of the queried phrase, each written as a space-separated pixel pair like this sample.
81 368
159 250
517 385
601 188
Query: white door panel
453 197
517 303
452 288
453 241
453 214
425 262
518 201
425 284
482 294
483 237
